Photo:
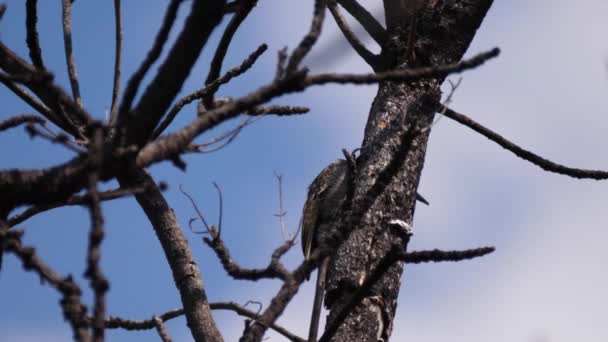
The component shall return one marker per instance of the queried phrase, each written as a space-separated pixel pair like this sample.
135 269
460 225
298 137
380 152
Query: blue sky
547 91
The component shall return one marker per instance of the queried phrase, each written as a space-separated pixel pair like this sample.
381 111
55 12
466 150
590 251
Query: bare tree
421 44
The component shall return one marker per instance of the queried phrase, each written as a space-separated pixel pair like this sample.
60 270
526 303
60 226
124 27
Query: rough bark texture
186 273
392 158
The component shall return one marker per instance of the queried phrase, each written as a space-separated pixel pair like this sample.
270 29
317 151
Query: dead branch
535 159
20 120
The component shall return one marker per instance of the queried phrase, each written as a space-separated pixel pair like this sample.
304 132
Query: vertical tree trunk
392 158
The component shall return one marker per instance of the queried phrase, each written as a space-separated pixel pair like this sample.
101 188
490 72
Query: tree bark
392 158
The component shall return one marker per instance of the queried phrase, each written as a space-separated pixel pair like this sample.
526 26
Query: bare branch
19 120
309 39
371 59
274 270
137 127
535 159
66 11
33 44
176 142
73 309
117 61
209 89
151 57
369 23
74 200
278 110
243 10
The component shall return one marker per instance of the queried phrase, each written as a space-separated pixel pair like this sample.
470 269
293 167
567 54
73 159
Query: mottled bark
392 158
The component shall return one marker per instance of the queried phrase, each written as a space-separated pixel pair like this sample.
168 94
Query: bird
326 195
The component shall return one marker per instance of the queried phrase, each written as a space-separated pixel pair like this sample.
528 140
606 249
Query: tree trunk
392 158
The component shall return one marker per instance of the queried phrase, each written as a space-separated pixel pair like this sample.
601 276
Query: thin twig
221 208
371 59
309 39
209 229
210 88
437 255
244 8
117 62
369 23
151 57
66 12
19 120
535 159
226 138
282 212
73 200
33 44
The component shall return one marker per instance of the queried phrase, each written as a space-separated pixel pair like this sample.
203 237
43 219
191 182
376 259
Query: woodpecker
326 194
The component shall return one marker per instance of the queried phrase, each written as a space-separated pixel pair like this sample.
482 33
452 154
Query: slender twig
151 57
33 44
369 23
282 212
209 229
535 159
309 39
210 88
371 59
19 120
244 8
226 138
69 54
117 61
163 333
73 200
436 255
73 309
220 209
